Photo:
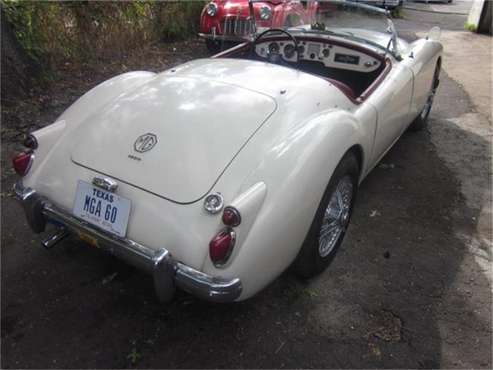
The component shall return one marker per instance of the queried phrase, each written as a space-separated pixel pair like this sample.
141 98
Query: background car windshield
345 18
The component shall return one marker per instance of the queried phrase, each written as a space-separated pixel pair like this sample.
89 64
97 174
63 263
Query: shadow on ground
388 300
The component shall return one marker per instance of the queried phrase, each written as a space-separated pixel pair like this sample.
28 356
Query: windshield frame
392 46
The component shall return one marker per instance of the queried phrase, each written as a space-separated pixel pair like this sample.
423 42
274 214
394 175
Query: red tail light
22 162
231 216
221 246
31 142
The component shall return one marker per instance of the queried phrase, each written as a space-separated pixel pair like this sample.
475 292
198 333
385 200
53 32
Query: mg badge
145 142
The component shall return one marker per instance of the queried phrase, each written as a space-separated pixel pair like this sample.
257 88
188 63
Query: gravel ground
406 290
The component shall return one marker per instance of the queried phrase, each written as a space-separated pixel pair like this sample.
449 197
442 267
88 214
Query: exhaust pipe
54 239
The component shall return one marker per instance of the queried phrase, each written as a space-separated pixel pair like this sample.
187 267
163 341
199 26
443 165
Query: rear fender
295 173
103 93
48 136
422 60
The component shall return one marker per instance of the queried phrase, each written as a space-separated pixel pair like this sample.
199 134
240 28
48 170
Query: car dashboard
332 56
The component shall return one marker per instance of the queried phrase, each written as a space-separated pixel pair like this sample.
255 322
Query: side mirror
434 34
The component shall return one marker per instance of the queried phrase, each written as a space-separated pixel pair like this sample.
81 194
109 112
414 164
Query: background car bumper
216 37
167 273
382 3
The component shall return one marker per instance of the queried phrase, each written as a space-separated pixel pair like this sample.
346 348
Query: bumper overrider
167 273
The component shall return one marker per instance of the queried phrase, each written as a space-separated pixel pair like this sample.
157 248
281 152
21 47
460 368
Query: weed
470 27
134 356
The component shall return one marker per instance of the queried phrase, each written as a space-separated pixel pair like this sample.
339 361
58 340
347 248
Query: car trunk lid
173 136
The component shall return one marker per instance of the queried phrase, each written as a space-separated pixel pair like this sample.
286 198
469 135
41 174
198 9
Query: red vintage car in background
224 22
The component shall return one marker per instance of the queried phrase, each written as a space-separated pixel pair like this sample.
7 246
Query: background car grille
235 26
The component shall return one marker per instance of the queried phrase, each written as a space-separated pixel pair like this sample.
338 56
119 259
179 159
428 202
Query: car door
392 101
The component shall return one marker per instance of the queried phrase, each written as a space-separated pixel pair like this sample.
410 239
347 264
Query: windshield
346 19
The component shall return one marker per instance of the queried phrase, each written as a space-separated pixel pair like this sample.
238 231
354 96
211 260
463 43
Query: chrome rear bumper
167 273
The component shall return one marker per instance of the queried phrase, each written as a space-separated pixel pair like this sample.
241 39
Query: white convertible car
219 174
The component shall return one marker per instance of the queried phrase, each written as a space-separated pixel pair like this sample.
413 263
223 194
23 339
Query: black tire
421 121
309 261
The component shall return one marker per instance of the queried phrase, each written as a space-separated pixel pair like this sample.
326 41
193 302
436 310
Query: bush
177 20
78 31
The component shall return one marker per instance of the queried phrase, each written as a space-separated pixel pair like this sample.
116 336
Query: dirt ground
408 289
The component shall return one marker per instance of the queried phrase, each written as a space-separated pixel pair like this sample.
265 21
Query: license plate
102 208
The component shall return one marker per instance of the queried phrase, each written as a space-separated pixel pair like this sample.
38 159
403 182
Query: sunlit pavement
456 6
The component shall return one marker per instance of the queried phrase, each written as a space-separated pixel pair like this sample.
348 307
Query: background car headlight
211 9
265 13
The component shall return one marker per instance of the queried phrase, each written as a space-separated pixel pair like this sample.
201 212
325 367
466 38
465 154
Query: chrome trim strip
166 272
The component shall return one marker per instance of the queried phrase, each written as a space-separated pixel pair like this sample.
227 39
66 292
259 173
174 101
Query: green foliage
78 31
470 27
134 356
28 18
396 13
178 19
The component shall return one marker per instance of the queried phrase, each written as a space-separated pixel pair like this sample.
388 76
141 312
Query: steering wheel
275 56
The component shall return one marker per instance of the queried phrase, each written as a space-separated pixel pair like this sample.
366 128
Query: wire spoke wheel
331 220
336 216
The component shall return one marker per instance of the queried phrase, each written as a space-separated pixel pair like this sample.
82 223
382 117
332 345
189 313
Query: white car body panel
192 152
421 57
290 131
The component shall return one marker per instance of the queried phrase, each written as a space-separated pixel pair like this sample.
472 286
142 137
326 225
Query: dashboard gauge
314 49
289 51
274 48
326 53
